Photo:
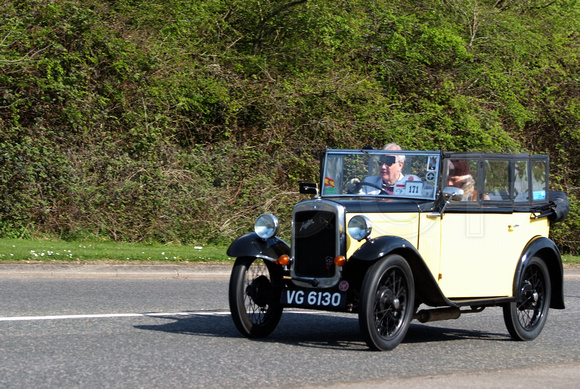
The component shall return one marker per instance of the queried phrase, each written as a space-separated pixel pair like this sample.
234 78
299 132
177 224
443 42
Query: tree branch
271 15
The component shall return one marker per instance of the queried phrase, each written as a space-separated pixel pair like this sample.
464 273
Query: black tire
525 318
387 303
254 296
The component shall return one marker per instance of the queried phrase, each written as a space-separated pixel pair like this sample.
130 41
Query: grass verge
50 251
570 259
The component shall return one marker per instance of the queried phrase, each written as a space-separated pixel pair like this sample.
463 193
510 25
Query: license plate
322 299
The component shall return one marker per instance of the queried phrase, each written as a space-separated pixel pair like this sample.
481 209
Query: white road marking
153 314
112 315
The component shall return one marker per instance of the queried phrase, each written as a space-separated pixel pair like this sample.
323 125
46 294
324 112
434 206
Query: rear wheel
254 296
387 303
525 318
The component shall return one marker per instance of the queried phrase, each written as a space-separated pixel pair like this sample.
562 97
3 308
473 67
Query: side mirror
451 193
308 188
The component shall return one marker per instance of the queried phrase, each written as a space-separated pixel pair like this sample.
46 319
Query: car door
482 237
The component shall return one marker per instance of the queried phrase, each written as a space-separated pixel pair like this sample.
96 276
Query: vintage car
454 233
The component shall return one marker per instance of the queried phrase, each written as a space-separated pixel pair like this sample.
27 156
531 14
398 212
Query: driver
390 167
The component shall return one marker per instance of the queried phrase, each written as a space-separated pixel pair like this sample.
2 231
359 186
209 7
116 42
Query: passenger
459 177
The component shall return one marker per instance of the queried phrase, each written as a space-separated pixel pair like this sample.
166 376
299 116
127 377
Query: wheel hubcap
387 299
389 311
530 306
260 290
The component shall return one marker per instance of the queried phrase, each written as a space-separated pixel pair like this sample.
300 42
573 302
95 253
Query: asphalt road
169 326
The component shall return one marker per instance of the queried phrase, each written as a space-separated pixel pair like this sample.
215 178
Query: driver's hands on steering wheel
353 186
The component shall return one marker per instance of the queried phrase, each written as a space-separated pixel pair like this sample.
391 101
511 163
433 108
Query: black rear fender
545 249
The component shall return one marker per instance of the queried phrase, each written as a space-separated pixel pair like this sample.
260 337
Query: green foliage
182 121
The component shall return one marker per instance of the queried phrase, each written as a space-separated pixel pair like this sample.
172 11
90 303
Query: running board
486 301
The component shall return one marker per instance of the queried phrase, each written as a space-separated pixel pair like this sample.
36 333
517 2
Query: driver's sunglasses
389 160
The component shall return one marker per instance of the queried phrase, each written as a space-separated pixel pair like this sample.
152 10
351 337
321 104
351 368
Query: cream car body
457 233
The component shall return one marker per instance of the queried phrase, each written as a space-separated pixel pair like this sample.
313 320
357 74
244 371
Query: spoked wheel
387 301
254 296
526 317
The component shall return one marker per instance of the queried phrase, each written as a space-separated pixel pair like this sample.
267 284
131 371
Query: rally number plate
321 299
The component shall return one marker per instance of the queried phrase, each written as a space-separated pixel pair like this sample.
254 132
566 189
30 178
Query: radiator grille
314 243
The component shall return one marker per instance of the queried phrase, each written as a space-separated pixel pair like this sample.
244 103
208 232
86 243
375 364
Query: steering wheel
360 184
382 191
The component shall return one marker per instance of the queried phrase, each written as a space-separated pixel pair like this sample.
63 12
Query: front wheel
254 296
526 317
387 303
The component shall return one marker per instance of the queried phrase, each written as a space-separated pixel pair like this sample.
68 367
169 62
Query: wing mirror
451 193
308 188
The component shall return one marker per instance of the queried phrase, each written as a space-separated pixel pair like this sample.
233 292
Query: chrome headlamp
266 226
360 227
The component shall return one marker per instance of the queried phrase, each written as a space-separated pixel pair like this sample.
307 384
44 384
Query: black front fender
381 246
427 289
546 249
251 245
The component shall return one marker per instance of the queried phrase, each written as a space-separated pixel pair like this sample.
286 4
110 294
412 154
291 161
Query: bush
182 121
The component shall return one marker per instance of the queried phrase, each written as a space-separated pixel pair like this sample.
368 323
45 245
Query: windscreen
388 173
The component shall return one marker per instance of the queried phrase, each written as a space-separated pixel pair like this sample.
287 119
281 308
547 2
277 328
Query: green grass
50 251
570 259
